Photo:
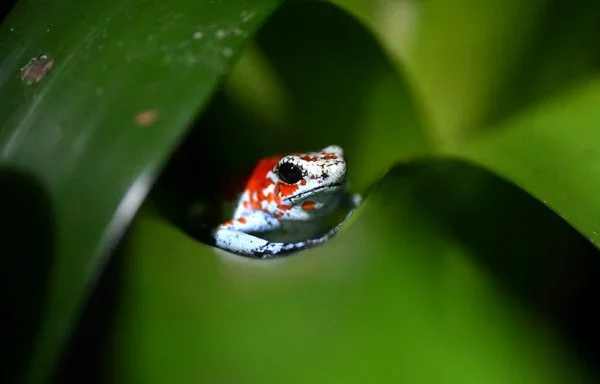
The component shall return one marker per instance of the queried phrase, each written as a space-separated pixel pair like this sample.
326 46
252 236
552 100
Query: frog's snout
336 149
335 172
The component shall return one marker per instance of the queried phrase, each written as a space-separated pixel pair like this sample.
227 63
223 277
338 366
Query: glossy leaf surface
128 78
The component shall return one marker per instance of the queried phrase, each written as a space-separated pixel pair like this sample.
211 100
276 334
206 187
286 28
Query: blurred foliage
445 274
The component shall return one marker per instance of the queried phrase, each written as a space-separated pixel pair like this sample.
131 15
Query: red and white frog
287 205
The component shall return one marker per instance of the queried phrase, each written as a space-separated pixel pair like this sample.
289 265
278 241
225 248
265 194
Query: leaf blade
551 152
128 78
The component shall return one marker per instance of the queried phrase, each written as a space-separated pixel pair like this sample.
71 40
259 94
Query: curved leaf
552 152
127 79
462 54
408 286
478 62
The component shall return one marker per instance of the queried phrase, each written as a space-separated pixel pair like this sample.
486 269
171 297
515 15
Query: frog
287 204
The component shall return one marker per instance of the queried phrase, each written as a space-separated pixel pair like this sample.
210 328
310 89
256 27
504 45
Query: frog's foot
244 244
273 249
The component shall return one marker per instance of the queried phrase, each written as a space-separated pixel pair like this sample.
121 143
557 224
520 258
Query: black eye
289 173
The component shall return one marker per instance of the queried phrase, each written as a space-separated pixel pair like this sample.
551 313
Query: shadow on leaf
539 259
28 249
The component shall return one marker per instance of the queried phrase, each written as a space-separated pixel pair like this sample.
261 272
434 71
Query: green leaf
477 62
128 78
562 53
552 152
408 286
436 269
462 54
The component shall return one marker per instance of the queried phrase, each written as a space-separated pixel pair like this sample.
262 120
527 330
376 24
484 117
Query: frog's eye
289 173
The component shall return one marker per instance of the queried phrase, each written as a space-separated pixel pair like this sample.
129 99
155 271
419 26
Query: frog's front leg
232 236
246 244
237 235
239 242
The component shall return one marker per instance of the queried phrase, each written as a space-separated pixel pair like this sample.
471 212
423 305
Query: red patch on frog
308 205
259 181
285 190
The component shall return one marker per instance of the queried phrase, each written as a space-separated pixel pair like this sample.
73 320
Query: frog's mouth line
313 190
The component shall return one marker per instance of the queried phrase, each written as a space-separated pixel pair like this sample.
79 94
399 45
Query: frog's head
310 184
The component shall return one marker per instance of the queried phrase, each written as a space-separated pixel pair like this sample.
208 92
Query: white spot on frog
197 35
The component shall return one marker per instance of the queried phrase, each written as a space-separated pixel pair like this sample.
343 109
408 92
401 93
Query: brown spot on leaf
36 69
146 118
